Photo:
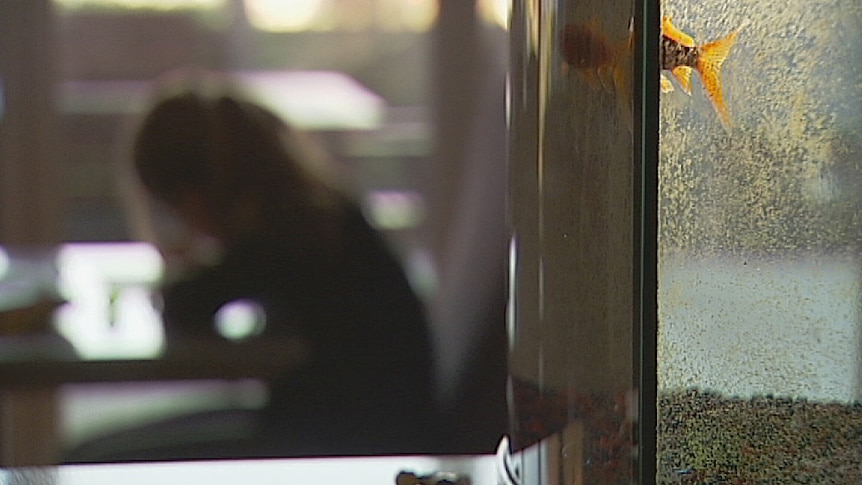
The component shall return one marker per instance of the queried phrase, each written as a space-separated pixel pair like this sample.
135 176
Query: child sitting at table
298 246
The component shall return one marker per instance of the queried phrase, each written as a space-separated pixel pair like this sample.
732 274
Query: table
45 363
481 469
32 368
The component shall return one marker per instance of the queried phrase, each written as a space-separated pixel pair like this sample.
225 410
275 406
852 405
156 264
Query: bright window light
304 15
283 15
307 99
116 262
495 11
316 99
143 4
109 312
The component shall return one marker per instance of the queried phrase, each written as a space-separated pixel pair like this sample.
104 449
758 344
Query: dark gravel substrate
705 438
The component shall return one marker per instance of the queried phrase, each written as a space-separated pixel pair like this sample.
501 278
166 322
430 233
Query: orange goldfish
680 54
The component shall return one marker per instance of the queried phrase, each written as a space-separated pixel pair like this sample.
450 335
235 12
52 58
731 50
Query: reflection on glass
571 191
760 308
494 11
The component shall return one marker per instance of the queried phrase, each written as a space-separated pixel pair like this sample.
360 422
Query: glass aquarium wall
760 232
572 213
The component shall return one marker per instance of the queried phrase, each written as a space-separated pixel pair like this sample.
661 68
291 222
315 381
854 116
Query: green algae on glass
785 177
760 237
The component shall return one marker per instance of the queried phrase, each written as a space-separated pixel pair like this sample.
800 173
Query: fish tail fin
709 61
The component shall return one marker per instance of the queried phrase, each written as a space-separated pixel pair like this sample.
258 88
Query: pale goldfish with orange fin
680 54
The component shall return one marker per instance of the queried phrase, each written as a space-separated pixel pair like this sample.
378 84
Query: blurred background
407 95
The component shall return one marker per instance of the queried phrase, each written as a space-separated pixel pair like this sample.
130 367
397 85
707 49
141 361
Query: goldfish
586 49
680 55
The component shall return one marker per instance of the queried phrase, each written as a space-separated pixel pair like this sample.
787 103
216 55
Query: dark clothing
303 252
368 385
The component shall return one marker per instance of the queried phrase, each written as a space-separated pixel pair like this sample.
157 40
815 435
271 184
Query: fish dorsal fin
683 76
668 30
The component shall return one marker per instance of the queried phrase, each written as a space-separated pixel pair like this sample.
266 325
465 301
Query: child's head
228 167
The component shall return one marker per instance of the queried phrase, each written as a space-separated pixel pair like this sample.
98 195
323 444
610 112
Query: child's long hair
258 175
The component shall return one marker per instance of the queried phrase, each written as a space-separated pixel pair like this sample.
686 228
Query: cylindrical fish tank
572 204
685 205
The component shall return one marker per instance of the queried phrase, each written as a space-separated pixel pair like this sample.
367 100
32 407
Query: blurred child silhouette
296 244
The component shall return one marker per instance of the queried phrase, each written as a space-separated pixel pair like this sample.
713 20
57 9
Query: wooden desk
32 368
48 365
